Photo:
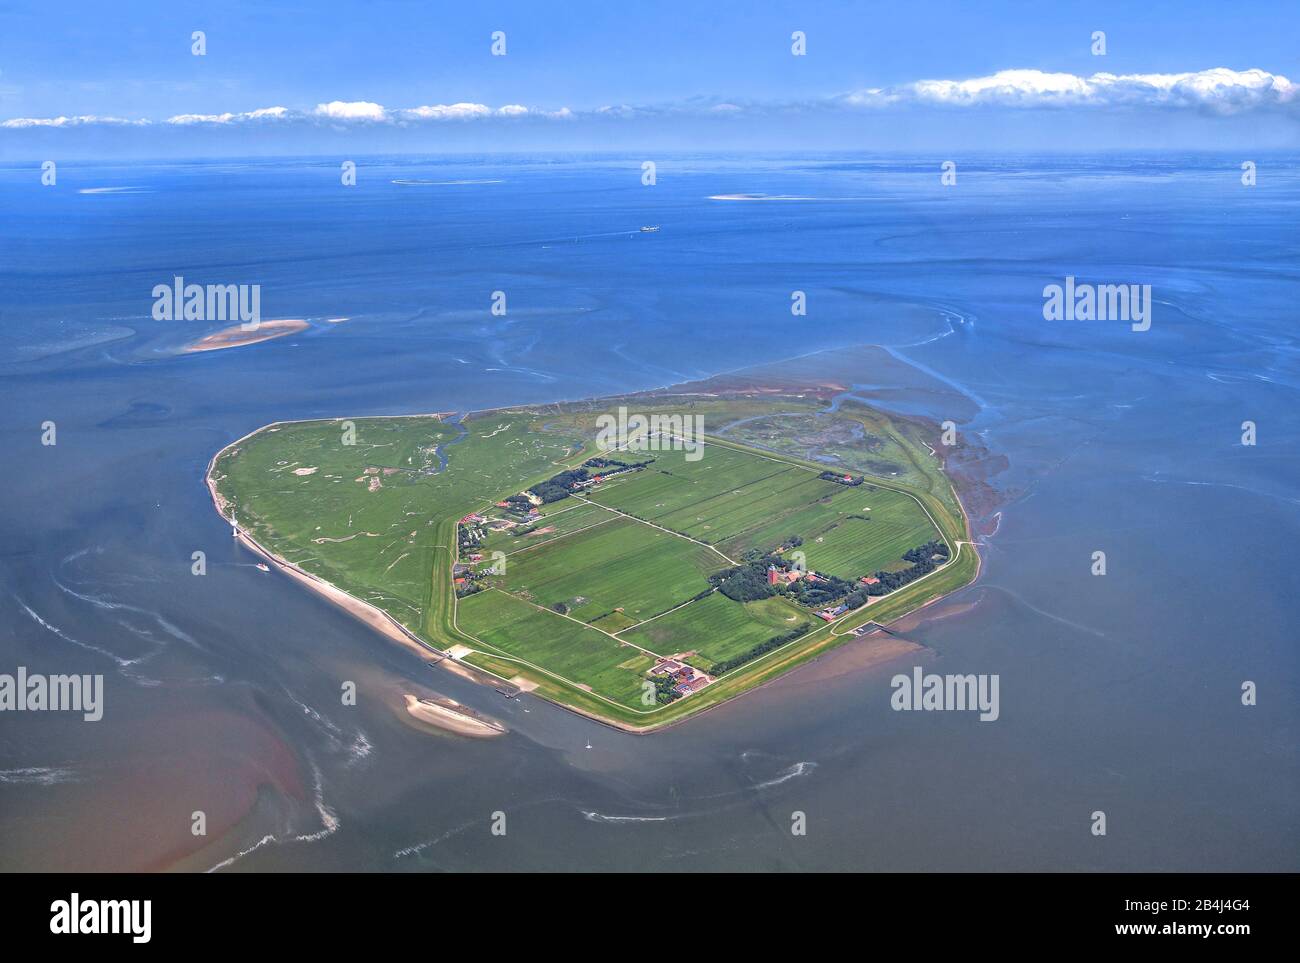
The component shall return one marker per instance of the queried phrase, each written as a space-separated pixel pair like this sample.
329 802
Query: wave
1213 484
764 197
37 776
329 819
330 824
356 746
121 662
418 848
322 722
264 841
111 605
594 817
794 772
417 182
1048 615
360 748
530 372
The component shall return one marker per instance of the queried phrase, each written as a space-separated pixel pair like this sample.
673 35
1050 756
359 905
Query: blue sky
584 75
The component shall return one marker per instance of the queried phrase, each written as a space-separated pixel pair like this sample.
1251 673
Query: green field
717 628
622 565
850 533
585 596
512 627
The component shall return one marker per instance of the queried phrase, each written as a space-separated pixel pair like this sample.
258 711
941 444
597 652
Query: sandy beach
236 337
446 714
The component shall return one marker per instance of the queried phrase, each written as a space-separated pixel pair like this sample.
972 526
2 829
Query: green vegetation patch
854 532
717 628
620 566
582 655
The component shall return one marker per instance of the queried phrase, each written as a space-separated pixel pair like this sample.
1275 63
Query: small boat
650 229
264 568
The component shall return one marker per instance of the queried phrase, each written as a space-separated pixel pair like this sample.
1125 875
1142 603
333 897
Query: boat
264 568
650 229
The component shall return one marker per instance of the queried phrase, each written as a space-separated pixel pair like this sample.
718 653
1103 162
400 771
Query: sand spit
451 715
236 337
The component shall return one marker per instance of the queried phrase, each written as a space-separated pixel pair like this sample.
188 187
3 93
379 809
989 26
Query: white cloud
264 113
448 112
1219 89
462 111
351 110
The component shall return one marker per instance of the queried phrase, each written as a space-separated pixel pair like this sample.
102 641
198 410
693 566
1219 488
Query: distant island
637 559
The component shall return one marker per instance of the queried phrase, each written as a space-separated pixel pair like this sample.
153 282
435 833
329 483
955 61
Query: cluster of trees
519 504
926 552
746 582
850 480
563 485
467 538
775 642
664 691
559 486
826 590
922 559
469 588
600 462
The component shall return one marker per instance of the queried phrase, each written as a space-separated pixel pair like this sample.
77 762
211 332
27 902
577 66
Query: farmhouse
692 685
776 576
686 679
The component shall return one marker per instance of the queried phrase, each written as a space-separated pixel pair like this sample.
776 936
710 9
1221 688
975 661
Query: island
745 525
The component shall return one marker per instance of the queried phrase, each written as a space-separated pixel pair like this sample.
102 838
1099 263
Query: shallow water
1118 693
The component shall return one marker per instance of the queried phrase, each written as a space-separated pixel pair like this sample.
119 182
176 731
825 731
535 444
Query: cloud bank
1219 90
